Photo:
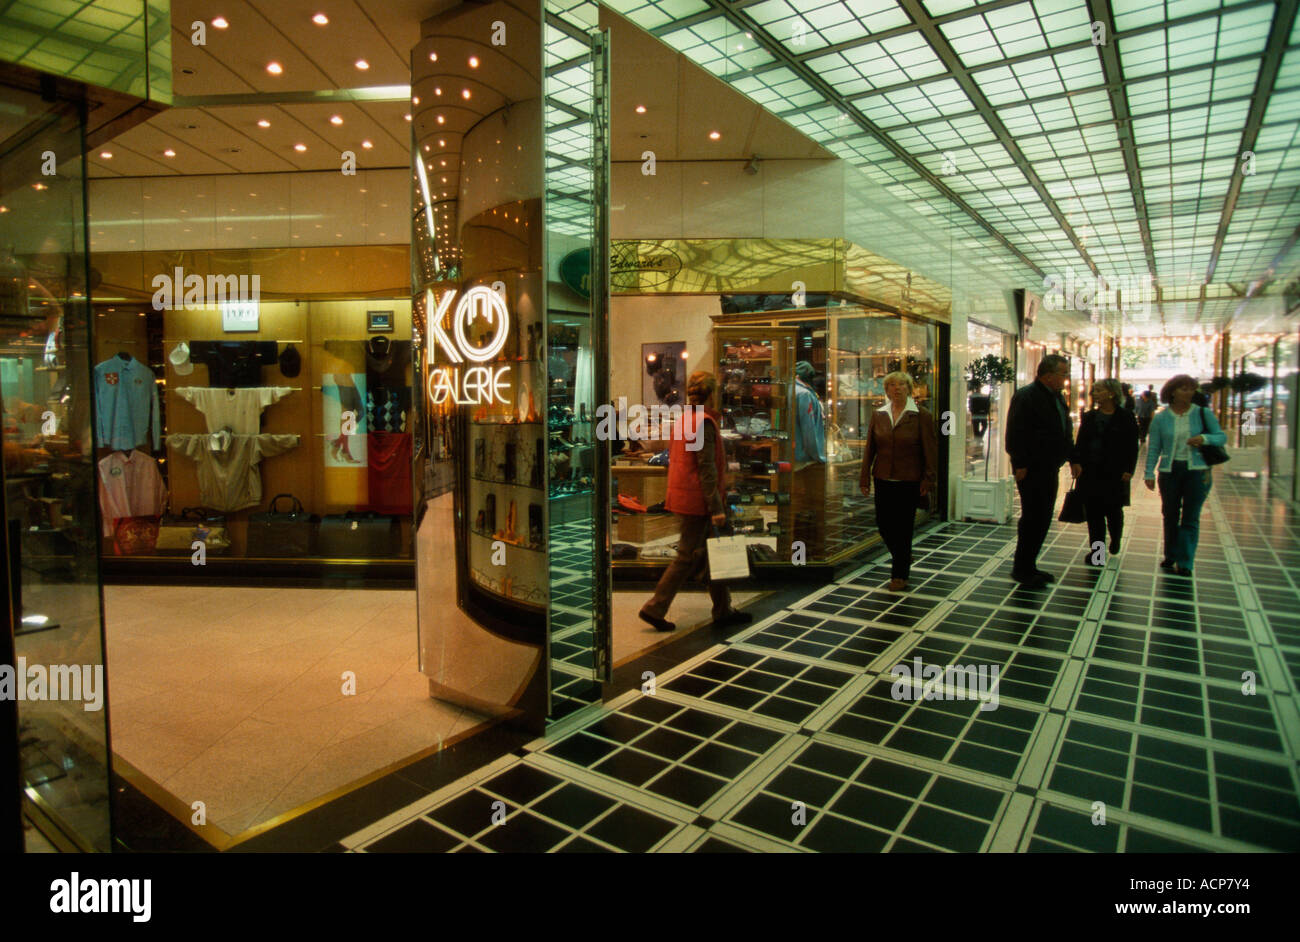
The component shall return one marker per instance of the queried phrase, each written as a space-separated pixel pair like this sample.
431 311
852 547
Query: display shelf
523 546
529 487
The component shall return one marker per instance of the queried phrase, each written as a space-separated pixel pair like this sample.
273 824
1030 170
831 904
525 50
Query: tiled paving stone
1157 725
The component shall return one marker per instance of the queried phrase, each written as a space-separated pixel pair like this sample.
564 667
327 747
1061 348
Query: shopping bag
727 557
177 532
1072 510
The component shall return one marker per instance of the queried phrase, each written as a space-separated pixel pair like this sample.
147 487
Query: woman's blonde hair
700 386
898 376
1114 388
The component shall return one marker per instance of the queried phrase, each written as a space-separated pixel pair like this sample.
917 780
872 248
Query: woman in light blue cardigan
1174 441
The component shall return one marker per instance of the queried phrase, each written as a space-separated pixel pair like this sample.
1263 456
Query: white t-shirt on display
239 410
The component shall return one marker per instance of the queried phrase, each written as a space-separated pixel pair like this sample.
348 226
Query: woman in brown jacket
902 454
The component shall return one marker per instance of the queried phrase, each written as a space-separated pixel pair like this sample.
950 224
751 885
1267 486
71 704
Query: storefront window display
797 387
278 431
986 406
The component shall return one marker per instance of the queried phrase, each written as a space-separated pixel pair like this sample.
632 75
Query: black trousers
1103 502
896 519
1037 504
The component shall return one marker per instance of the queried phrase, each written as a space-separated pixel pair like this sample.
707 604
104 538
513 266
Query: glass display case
755 373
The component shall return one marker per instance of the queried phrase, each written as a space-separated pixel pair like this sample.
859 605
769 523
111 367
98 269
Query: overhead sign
464 379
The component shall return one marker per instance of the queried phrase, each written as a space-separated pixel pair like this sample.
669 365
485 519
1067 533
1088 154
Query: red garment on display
389 472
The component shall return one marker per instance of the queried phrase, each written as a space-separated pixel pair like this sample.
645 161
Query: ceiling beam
827 91
949 57
325 95
1210 13
1278 36
1100 12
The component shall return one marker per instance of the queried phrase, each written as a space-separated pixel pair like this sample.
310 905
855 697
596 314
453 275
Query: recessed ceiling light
107 155
367 145
714 135
274 68
437 91
464 93
362 64
264 123
320 19
441 142
220 22
433 57
336 120
408 117
415 101
640 109
441 119
169 153
473 62
300 147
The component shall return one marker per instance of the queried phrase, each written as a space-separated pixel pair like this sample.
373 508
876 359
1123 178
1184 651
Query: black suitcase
359 536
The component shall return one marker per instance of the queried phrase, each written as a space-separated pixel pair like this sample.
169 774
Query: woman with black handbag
1180 437
1103 460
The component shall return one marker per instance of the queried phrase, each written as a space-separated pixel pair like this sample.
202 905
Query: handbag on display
135 536
727 557
1072 509
1211 454
359 536
178 532
282 533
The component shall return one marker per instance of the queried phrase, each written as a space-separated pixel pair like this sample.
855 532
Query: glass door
576 60
54 665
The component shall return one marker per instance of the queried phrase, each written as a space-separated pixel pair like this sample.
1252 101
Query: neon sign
477 384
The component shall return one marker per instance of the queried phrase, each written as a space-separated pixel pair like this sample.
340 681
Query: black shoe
1045 576
1168 564
1031 580
1182 571
1114 548
733 617
659 624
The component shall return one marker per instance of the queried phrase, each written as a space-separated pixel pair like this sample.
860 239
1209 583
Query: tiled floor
233 696
1135 711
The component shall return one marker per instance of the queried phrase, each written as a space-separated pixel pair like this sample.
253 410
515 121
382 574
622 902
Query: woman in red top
695 494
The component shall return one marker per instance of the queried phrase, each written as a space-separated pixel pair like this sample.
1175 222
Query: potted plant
988 372
976 499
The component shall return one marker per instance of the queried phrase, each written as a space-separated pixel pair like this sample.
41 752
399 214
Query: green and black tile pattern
1135 711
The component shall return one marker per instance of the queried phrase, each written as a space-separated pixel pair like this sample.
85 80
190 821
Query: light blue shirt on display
1163 441
126 405
810 426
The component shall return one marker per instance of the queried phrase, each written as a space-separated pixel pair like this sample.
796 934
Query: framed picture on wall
379 322
663 376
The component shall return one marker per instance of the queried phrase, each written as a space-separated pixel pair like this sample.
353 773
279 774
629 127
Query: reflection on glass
49 475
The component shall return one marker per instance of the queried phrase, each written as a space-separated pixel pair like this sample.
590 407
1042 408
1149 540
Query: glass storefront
56 667
794 443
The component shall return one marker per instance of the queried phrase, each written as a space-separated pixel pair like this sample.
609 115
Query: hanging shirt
126 405
389 472
230 479
239 410
129 486
386 408
810 427
233 363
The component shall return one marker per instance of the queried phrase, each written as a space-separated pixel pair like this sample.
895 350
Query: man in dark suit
1039 438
